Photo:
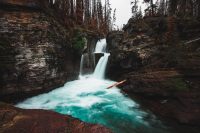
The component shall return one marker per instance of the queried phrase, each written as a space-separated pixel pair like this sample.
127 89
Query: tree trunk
72 8
198 10
172 7
152 8
79 12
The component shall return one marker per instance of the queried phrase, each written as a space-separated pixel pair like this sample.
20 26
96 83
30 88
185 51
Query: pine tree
114 19
162 7
198 9
87 12
134 8
107 16
151 6
79 12
72 8
100 14
94 14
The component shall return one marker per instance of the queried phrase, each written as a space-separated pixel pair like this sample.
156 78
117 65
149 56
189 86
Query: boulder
15 120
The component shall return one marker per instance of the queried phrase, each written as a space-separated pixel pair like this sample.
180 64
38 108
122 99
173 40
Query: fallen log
191 41
116 84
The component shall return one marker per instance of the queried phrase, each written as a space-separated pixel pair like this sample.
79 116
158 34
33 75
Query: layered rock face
14 120
167 93
129 54
164 76
35 52
36 55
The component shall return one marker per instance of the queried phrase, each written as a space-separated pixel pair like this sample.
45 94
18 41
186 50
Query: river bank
163 74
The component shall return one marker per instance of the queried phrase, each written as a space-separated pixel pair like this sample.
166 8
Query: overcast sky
123 10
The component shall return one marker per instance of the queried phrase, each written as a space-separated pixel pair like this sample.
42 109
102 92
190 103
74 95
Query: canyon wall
36 54
162 67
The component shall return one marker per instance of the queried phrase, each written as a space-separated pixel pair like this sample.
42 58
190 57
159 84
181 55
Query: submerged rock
15 120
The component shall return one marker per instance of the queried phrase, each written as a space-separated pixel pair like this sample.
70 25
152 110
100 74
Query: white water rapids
89 100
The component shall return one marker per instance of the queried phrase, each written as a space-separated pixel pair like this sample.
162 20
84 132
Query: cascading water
81 66
101 46
89 100
100 69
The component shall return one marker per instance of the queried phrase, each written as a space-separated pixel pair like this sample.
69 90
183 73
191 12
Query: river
88 100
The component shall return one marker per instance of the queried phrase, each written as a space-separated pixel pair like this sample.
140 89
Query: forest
88 14
97 15
178 8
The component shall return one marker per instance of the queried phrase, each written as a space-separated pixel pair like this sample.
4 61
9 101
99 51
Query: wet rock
15 120
97 57
167 93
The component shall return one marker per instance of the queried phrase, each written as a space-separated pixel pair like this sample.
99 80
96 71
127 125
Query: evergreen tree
88 13
79 12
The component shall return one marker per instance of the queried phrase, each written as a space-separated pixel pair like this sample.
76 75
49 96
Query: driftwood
116 84
191 41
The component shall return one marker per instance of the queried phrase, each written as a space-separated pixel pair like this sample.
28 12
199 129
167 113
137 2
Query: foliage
136 12
78 42
177 84
114 19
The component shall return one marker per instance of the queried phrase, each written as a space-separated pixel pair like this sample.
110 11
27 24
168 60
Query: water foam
89 100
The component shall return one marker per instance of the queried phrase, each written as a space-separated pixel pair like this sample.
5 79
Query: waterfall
100 69
81 66
101 46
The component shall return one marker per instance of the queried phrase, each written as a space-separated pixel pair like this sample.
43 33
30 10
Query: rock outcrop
163 74
167 93
35 51
14 120
129 54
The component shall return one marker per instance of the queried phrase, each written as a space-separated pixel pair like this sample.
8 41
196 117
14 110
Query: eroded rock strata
163 74
35 51
36 56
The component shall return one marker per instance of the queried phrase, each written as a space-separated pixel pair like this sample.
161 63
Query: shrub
78 42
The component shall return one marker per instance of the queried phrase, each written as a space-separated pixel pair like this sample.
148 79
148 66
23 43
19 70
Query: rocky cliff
37 54
35 51
162 68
